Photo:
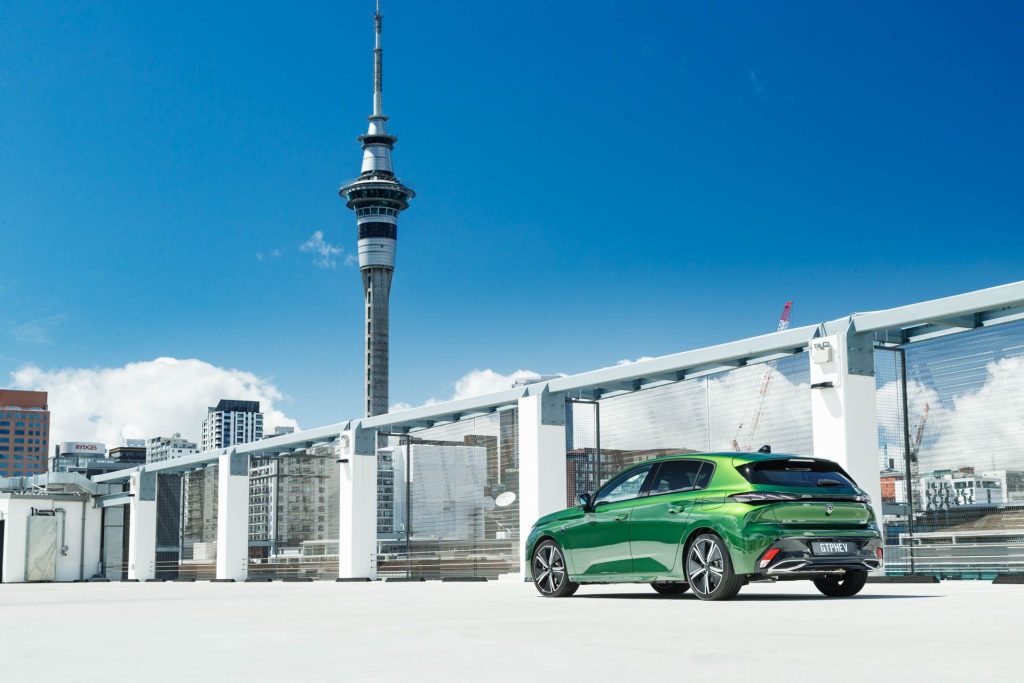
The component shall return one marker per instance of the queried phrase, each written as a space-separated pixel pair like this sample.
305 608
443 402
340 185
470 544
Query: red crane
915 447
766 383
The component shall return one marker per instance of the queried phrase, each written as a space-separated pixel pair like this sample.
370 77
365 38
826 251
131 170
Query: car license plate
833 547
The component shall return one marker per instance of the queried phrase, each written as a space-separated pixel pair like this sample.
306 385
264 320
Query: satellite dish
488 503
505 499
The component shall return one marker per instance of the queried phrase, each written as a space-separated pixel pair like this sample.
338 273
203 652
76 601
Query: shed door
41 549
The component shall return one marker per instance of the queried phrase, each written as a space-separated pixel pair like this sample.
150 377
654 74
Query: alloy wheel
548 569
705 566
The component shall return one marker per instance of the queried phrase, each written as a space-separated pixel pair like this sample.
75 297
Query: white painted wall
70 567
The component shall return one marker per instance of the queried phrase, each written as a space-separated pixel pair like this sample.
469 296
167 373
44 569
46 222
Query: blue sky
596 180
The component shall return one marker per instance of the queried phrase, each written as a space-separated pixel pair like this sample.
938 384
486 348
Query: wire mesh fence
738 410
293 514
198 554
448 500
950 442
950 433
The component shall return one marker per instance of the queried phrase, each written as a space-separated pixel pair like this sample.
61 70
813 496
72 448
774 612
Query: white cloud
145 399
983 428
480 382
476 383
401 405
37 332
266 256
326 253
627 361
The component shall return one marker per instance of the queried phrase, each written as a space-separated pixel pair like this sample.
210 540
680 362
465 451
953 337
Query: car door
658 520
599 541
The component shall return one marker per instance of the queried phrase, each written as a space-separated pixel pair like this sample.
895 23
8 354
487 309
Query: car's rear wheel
670 587
844 586
550 575
709 569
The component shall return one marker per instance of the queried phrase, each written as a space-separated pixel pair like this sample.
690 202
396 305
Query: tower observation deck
377 197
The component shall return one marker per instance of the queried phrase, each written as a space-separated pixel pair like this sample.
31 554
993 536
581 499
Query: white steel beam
988 306
985 301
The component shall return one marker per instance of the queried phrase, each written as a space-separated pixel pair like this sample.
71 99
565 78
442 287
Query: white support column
233 516
843 408
142 526
541 462
357 513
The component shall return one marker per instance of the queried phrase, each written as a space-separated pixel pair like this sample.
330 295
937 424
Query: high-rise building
232 422
292 499
24 432
81 457
170 489
228 423
377 197
132 453
161 448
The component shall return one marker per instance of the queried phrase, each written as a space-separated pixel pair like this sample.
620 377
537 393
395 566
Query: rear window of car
801 473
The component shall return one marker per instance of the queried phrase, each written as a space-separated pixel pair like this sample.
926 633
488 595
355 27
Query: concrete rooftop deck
503 631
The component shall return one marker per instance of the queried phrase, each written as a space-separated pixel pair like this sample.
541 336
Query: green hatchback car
710 523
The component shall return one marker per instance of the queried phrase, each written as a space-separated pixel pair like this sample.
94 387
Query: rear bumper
795 558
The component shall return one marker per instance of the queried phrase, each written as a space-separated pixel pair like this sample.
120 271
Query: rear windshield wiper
829 482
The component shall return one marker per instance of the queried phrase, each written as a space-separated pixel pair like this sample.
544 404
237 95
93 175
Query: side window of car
704 476
675 475
627 485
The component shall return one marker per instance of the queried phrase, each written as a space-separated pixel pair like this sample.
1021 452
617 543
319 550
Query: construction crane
915 447
766 383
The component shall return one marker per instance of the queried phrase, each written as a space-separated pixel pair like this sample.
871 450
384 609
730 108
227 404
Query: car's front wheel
670 587
550 575
709 569
844 586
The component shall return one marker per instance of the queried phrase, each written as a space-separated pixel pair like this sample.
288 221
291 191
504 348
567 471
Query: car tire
849 584
550 572
709 569
670 587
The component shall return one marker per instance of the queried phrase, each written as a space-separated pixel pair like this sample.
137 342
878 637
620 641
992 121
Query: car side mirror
584 500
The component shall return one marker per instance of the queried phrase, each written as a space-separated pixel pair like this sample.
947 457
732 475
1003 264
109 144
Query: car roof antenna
765 449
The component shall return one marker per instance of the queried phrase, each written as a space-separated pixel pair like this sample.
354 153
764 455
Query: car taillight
878 552
768 557
755 497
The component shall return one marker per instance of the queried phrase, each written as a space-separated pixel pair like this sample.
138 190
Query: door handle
620 518
676 509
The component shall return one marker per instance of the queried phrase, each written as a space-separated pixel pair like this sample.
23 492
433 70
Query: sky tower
377 197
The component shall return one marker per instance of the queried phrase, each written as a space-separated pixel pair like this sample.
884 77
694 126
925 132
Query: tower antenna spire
377 197
378 66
